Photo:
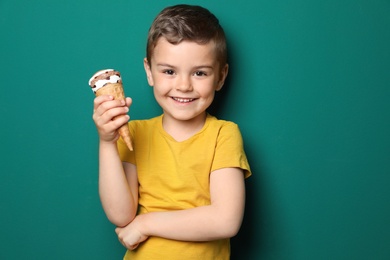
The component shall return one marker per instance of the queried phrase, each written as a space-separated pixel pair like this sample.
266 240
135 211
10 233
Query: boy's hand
107 115
131 236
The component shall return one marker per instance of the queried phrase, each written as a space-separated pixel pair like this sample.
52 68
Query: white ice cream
102 82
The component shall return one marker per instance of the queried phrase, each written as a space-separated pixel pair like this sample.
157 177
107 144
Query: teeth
183 100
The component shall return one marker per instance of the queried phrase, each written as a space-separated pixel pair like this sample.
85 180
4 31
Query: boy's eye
169 72
200 73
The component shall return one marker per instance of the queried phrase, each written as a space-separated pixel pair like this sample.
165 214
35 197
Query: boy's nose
184 84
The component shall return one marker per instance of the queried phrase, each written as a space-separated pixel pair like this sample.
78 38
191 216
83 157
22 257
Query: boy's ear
148 72
223 75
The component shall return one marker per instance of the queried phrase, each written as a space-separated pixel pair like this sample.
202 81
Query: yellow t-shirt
175 175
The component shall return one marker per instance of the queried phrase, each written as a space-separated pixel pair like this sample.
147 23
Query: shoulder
227 132
222 125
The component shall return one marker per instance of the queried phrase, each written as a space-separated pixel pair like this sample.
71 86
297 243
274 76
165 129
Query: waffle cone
116 90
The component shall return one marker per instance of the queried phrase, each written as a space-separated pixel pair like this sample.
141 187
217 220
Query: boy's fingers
102 107
133 247
100 99
129 101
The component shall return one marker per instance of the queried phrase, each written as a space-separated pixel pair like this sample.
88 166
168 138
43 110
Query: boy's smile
184 77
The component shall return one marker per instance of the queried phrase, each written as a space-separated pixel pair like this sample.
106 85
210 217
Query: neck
181 130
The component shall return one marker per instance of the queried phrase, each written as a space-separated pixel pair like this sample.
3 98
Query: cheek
158 80
160 90
209 95
157 96
210 90
157 91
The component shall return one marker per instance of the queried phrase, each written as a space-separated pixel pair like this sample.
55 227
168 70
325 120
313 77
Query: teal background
309 86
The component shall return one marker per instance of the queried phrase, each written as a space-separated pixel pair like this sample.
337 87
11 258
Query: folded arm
221 219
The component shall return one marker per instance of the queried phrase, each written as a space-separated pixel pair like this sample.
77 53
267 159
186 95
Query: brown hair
187 23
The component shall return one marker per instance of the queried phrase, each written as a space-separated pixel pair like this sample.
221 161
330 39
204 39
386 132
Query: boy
180 194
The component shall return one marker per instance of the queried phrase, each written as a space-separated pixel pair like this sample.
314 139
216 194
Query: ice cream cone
116 90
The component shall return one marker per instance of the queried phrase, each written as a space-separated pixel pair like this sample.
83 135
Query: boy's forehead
163 43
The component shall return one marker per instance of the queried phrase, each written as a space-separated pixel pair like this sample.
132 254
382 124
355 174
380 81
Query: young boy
180 194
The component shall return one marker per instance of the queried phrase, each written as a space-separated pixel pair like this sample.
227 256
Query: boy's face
184 77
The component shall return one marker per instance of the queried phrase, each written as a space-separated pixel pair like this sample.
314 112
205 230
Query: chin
186 116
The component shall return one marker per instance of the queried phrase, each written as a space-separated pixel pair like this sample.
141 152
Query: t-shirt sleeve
230 150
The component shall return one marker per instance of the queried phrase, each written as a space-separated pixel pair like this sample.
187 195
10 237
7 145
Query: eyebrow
164 65
196 67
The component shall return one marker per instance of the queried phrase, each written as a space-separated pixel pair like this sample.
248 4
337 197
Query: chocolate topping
105 76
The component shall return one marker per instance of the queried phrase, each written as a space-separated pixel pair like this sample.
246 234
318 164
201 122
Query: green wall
309 86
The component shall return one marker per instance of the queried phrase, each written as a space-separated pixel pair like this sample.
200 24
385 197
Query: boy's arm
118 186
221 219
